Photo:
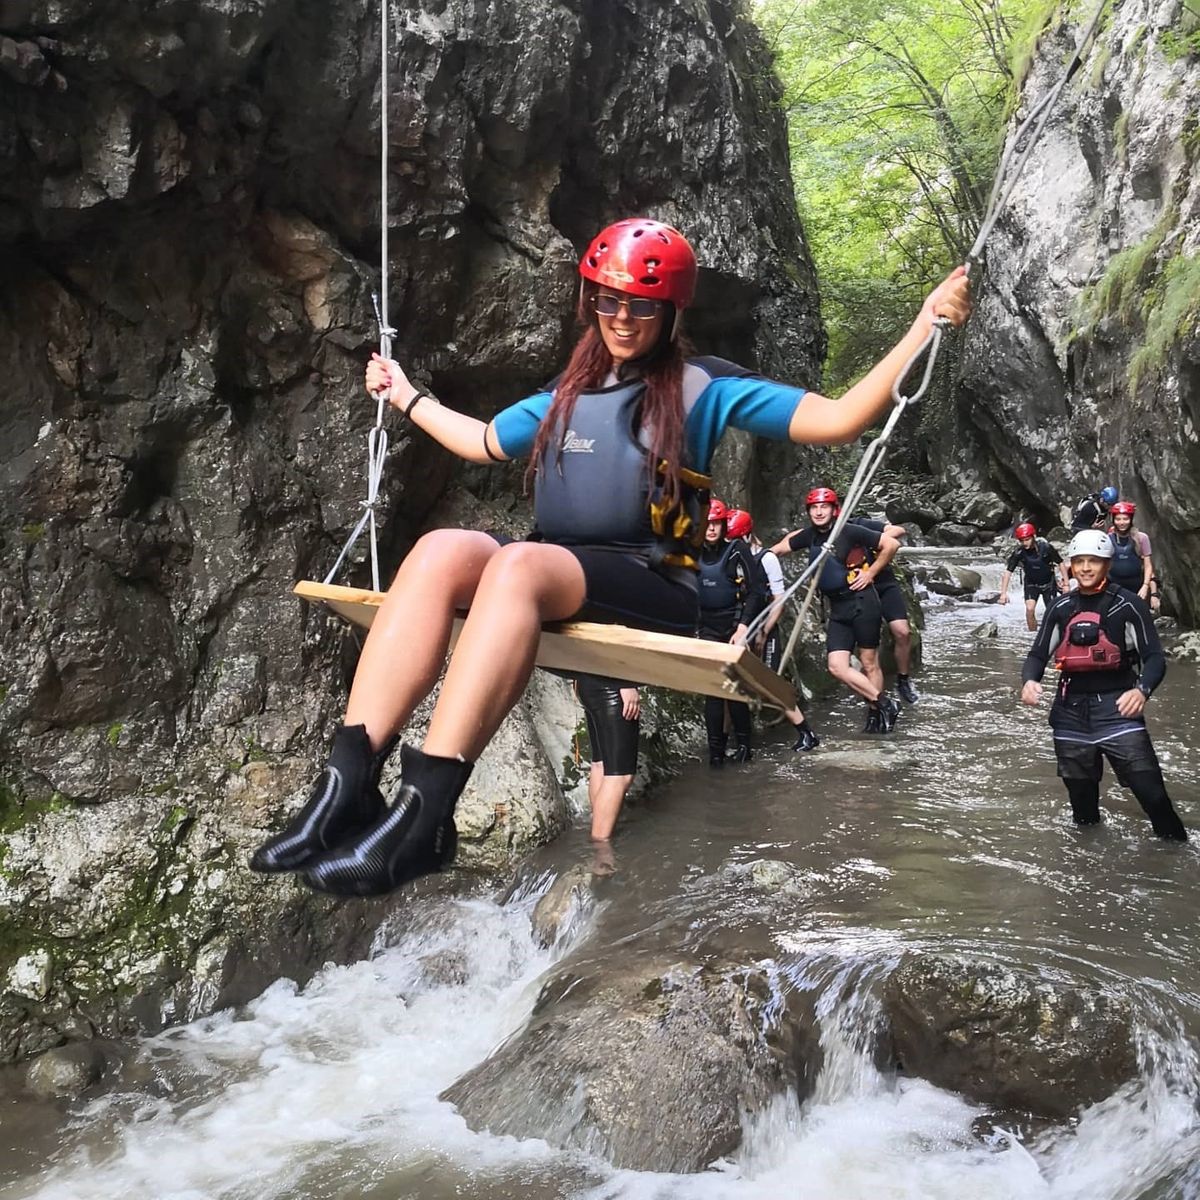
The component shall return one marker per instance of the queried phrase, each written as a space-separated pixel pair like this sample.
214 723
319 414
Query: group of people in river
620 446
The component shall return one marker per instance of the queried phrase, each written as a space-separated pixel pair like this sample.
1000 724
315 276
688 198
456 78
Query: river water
952 835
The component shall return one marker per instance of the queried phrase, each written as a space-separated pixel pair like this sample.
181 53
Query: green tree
896 111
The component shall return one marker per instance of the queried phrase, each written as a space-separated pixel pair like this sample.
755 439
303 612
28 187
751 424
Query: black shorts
1041 591
854 620
622 589
1088 729
891 602
614 740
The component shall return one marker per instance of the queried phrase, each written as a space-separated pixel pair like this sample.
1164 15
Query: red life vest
1085 645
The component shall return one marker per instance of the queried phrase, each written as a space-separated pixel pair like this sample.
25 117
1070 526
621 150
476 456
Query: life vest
722 586
838 571
1035 563
1126 566
1085 645
599 490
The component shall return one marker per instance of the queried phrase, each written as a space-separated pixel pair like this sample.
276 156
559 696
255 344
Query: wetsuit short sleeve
718 394
1013 561
1141 543
1050 553
516 426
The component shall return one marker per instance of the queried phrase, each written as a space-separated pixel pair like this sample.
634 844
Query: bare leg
839 667
1031 614
606 804
870 667
902 643
522 585
406 647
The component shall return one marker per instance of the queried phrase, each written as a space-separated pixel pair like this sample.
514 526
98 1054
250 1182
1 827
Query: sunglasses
639 308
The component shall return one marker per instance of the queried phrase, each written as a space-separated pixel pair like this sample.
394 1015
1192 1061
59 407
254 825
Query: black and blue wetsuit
594 497
1037 567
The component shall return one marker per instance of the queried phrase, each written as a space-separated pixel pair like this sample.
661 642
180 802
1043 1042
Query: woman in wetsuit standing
619 448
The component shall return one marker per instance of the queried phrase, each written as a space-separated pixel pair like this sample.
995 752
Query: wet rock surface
1009 1038
605 1056
188 219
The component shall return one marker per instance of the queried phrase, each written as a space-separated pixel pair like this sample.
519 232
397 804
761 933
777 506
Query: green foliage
33 533
1183 41
1170 309
895 113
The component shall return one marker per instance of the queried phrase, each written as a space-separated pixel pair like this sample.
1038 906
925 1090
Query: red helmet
644 258
1024 530
739 523
1123 508
821 495
717 510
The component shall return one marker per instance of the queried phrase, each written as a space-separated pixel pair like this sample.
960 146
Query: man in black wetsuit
733 591
1092 511
1042 570
846 579
895 611
1099 636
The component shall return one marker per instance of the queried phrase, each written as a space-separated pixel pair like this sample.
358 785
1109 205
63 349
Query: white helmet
1093 542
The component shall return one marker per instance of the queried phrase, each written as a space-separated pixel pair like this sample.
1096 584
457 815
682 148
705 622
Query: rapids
952 835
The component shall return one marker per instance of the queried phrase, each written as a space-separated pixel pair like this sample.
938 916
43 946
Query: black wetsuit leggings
1089 730
714 707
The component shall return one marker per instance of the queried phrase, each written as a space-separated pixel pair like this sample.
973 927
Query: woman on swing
620 446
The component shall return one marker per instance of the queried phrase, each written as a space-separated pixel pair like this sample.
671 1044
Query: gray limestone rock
650 1065
1008 1038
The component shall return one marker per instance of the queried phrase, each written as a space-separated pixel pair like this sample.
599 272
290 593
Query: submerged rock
66 1071
650 1064
1008 1038
570 894
988 629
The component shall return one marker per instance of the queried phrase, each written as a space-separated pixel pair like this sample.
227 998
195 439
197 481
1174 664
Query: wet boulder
1009 1038
923 513
951 533
650 1064
946 580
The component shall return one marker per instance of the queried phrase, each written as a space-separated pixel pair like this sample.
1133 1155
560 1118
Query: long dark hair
662 402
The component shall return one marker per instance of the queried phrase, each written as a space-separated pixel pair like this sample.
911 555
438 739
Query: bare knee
450 557
546 575
901 635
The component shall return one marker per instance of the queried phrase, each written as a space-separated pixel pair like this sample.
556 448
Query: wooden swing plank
684 664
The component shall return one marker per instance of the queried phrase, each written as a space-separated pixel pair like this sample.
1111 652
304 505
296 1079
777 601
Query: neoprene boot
889 710
344 801
806 739
414 837
743 753
907 690
872 723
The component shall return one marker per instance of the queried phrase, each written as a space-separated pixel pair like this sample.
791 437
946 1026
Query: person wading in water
846 580
619 449
1104 643
1042 571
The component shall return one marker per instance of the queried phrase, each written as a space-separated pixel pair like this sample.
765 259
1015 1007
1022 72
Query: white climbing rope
377 439
1009 171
